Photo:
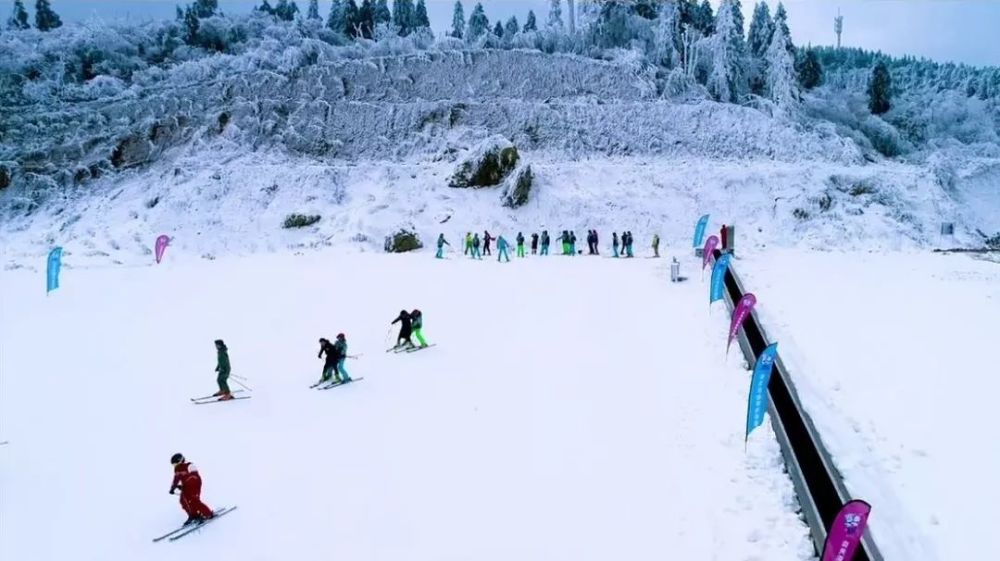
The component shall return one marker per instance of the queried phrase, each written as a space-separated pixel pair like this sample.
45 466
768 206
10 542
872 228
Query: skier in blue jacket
502 249
441 243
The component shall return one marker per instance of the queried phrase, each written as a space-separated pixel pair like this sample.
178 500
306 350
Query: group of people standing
477 246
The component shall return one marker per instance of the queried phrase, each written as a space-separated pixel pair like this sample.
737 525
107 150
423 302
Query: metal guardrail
819 485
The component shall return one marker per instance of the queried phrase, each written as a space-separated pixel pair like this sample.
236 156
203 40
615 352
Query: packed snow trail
574 408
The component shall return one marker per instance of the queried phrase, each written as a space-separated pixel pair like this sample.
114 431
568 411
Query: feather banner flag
718 278
757 400
740 314
699 230
846 531
706 254
52 271
161 246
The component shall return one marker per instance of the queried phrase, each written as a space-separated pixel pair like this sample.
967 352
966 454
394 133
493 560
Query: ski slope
573 409
895 365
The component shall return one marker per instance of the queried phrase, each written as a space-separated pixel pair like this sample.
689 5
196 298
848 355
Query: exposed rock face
519 187
402 241
488 166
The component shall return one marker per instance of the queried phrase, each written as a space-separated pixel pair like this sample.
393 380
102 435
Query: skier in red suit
186 479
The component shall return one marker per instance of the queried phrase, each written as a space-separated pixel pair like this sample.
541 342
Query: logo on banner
846 531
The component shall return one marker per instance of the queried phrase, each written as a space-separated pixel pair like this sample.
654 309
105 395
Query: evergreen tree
382 13
366 19
336 20
704 19
19 17
880 89
667 35
555 15
402 16
810 70
265 7
644 8
510 29
781 20
45 18
530 24
781 85
286 10
191 26
498 29
420 19
687 10
313 12
458 21
479 24
727 81
352 18
178 17
206 8
761 30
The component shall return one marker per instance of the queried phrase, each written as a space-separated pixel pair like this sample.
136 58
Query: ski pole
238 377
241 384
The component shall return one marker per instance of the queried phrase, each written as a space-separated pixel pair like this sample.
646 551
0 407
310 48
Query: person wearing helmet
545 242
440 245
534 243
502 249
520 244
487 238
656 245
418 325
187 479
475 246
405 329
468 243
223 368
341 349
330 365
614 244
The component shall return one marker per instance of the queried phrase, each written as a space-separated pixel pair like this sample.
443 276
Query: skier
520 244
545 242
597 243
223 368
534 243
502 249
564 238
441 243
628 244
487 238
590 242
418 325
187 479
614 244
341 348
468 243
475 247
572 243
724 238
405 329
332 358
656 245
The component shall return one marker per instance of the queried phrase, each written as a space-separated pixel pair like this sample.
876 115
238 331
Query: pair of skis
405 349
205 400
185 530
331 385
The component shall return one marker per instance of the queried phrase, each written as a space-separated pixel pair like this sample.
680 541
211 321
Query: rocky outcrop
402 241
518 188
488 166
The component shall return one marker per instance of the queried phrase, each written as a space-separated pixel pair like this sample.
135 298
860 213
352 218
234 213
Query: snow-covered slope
566 427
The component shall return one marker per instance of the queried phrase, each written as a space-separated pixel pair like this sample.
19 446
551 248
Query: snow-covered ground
892 354
574 409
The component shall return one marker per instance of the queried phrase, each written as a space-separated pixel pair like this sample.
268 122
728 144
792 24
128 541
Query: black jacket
331 351
406 324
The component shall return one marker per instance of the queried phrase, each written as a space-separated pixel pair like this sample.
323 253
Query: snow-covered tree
555 15
420 18
458 21
403 15
191 26
704 19
337 20
18 17
510 29
667 35
781 20
498 29
781 84
45 18
179 16
286 10
352 19
313 11
810 70
366 19
382 13
880 89
761 30
530 24
479 24
206 8
265 7
727 80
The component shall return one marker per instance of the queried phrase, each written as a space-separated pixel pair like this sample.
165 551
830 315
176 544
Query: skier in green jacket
223 368
418 325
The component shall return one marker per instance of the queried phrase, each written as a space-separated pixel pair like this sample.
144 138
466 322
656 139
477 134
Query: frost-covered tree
458 20
191 26
286 10
206 8
336 20
530 24
781 85
366 19
810 70
352 19
667 35
479 24
645 8
761 30
45 18
781 20
727 80
880 89
403 15
18 17
510 29
313 11
420 18
498 29
555 20
704 19
382 13
266 8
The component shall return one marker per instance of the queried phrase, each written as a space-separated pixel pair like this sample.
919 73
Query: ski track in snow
574 409
891 355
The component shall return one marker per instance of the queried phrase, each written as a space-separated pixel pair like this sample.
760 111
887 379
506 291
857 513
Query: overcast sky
945 30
